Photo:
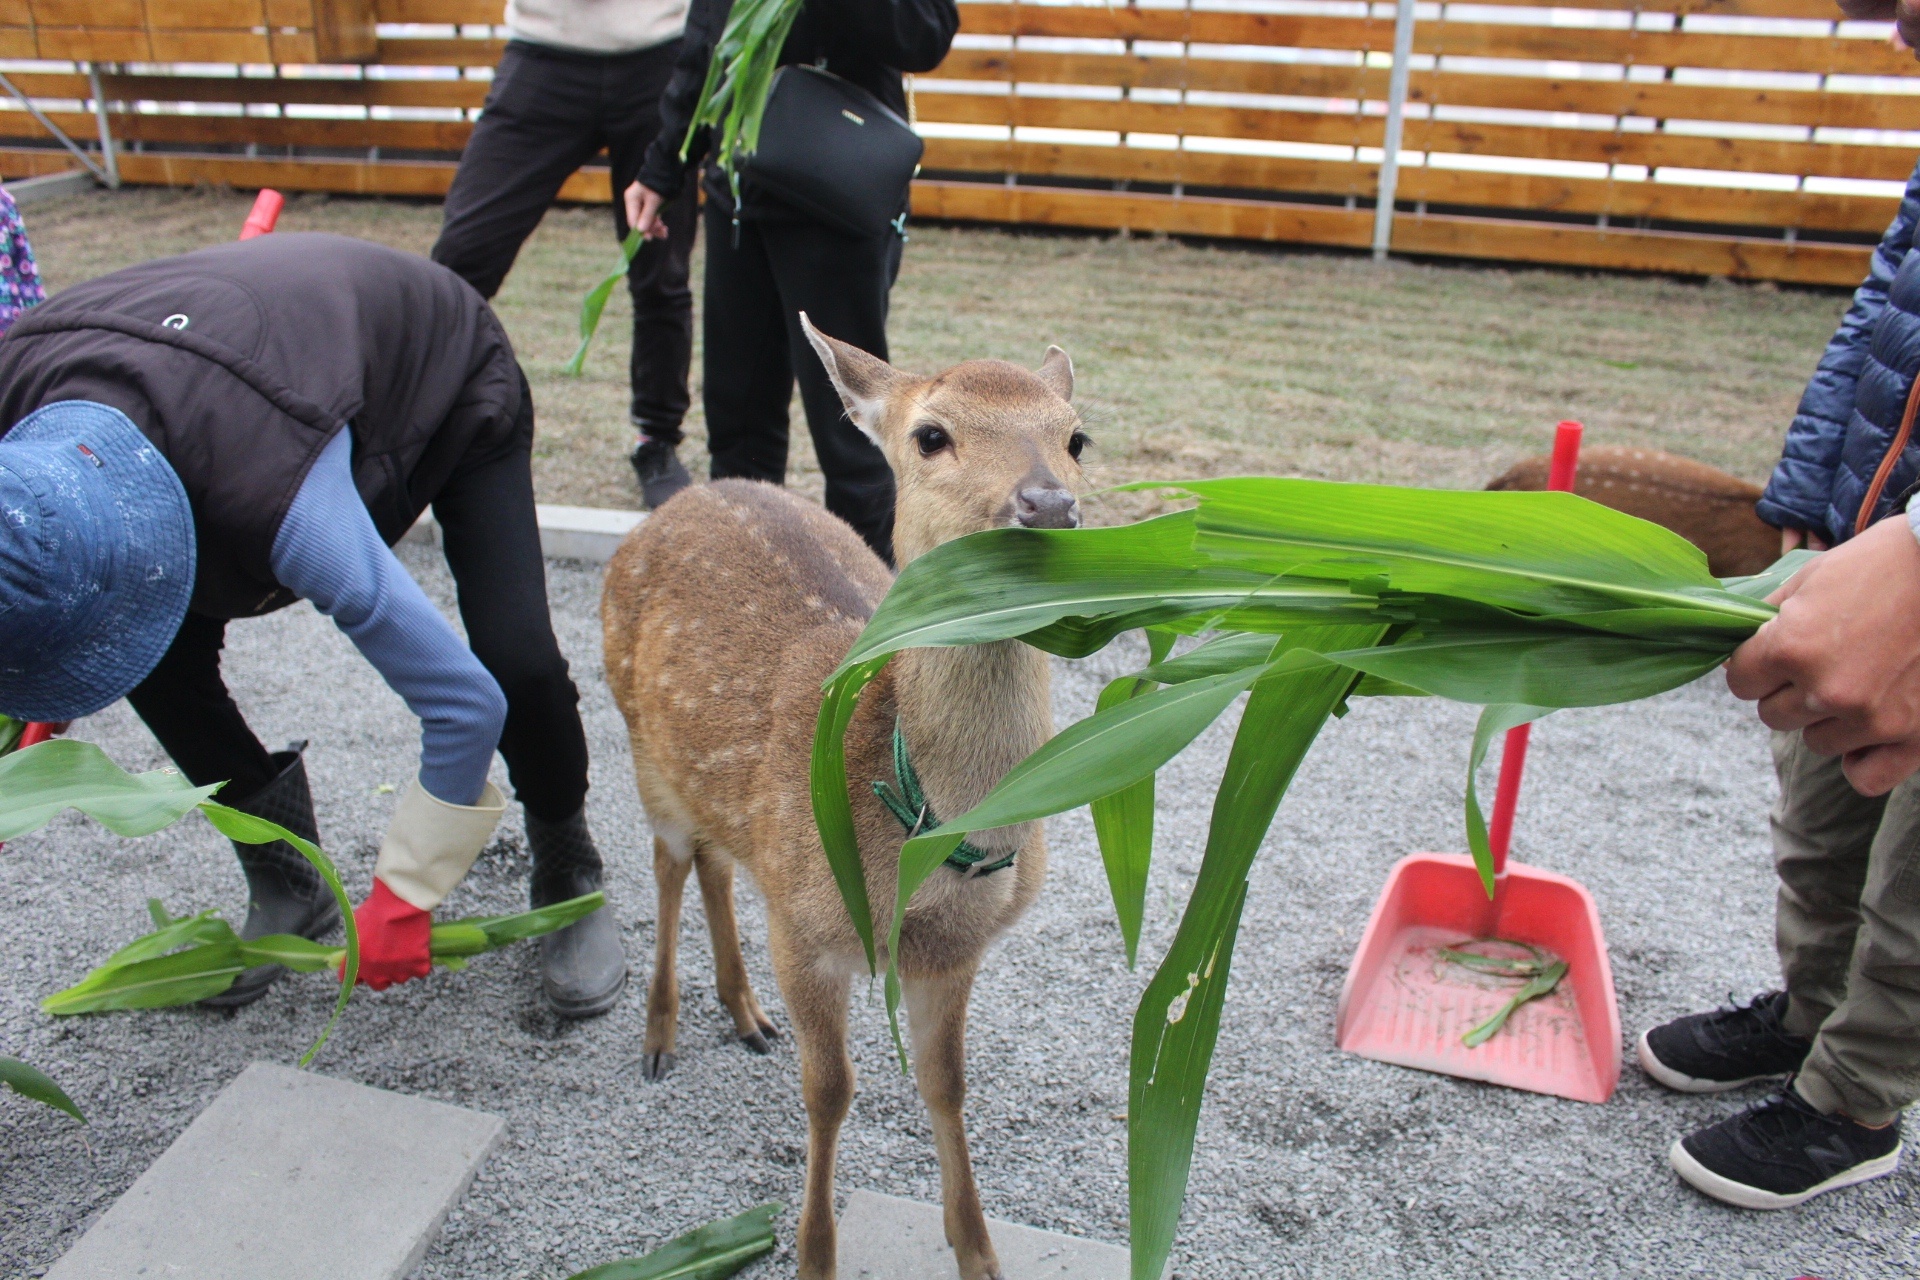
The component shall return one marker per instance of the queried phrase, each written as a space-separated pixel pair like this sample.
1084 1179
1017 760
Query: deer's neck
969 715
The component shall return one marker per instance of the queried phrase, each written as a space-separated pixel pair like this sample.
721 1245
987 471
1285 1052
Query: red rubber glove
395 939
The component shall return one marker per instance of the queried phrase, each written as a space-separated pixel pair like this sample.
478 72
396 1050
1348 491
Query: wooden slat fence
1749 138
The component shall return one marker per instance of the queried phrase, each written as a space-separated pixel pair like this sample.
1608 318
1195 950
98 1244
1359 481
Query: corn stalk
1307 594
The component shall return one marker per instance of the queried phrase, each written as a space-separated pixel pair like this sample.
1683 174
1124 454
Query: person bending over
214 436
1846 828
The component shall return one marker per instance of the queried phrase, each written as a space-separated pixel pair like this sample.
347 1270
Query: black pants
549 112
493 547
754 349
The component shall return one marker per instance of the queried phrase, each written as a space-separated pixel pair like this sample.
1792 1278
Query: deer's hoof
757 1042
657 1066
767 1028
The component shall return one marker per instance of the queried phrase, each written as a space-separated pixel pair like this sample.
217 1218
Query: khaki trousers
1847 926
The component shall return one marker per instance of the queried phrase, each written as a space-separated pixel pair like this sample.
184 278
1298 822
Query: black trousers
492 546
756 289
549 112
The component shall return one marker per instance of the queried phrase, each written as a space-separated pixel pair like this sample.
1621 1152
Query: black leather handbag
835 151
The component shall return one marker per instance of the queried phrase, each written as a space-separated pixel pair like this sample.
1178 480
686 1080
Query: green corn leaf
595 302
205 929
248 829
1003 584
10 731
181 978
1178 1019
1100 755
142 975
479 934
713 1252
733 98
1234 651
1541 553
302 955
832 806
29 1082
1123 821
42 780
1543 666
1494 719
1540 986
1761 585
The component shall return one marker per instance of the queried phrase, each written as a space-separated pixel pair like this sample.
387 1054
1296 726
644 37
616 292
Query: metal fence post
109 162
1396 119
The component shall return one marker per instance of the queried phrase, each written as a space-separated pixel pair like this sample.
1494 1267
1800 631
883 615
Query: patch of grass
1191 361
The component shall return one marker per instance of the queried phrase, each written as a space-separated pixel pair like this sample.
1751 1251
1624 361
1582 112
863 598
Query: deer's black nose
1046 507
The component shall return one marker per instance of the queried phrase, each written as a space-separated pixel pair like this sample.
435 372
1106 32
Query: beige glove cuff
431 845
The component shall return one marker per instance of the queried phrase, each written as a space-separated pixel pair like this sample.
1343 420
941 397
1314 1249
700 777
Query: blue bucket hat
96 560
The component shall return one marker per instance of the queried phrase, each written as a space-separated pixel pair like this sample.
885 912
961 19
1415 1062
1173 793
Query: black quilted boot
284 893
583 965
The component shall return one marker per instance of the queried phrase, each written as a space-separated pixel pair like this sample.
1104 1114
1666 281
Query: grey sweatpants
1847 926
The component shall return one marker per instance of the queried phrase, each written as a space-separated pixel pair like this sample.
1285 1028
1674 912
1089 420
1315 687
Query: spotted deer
1702 504
722 614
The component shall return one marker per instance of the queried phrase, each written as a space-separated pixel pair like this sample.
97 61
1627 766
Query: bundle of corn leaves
734 97
184 961
1307 593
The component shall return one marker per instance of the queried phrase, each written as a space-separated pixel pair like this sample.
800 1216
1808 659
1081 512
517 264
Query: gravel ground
1310 1162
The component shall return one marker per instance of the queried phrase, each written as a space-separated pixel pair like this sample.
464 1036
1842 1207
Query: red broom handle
1513 758
265 212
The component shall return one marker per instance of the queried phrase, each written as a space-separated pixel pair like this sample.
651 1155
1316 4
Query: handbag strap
1885 471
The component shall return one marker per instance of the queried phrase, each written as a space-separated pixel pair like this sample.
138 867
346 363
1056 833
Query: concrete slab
50 186
291 1176
590 534
887 1238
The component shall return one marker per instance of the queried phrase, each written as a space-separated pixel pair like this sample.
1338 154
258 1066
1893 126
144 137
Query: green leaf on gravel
29 1082
712 1252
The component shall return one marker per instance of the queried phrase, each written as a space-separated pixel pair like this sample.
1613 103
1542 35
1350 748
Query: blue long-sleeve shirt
329 552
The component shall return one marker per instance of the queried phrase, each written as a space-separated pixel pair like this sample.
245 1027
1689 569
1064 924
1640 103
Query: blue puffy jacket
1850 413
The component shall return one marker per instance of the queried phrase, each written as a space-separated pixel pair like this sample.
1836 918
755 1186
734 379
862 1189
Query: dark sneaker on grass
1711 1052
657 466
1780 1152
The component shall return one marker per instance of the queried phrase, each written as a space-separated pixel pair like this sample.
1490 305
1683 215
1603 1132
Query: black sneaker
1780 1152
1711 1052
657 466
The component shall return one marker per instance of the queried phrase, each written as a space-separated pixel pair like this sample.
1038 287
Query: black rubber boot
284 893
583 966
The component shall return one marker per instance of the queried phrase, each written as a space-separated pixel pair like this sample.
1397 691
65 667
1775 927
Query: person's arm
329 552
662 171
1798 494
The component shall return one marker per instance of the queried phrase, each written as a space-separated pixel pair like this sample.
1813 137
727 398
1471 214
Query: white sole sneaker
1707 1182
1682 1083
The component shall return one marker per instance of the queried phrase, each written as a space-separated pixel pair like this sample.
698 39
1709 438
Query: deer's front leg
937 1022
817 1005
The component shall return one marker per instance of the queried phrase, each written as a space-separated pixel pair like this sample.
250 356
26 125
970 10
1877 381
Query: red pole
265 212
1513 758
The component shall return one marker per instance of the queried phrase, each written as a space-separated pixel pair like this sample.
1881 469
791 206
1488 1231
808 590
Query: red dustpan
1404 1003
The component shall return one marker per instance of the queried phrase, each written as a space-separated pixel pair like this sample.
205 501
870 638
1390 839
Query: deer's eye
931 440
1076 442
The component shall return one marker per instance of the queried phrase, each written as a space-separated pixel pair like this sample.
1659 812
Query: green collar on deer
910 808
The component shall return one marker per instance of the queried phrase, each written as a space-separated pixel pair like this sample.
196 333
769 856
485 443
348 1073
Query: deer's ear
865 382
1057 372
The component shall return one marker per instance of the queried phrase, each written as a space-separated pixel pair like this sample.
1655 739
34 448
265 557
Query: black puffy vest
241 361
